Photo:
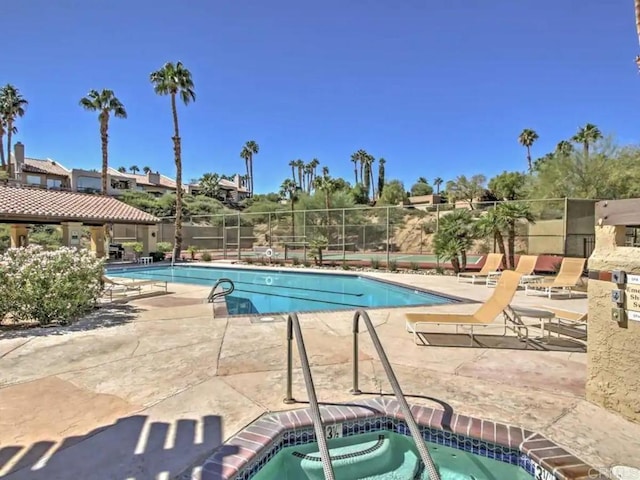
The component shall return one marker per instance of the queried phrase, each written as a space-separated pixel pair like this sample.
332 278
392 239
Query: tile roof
143 179
49 166
24 203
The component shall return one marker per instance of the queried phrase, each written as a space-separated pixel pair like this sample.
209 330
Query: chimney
153 178
237 181
18 159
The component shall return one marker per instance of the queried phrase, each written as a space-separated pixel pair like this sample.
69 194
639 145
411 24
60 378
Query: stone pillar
149 237
97 241
71 234
613 355
19 236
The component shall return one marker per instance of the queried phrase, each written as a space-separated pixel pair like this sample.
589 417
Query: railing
293 329
425 456
222 293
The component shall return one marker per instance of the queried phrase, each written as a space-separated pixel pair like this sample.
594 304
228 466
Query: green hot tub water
384 455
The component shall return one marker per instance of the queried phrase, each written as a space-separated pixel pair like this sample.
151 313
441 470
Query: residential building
230 190
152 182
45 173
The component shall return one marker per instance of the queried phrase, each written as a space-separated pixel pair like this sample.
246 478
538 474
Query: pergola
22 206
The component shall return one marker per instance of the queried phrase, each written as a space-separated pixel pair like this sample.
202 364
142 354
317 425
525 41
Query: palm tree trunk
355 170
586 151
251 172
529 159
500 241
300 183
104 140
362 173
293 174
455 264
463 263
2 161
9 128
293 219
177 247
511 240
373 185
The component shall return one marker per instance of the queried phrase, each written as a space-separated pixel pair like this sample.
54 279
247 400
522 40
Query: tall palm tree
289 189
371 159
564 147
293 166
355 158
437 182
12 106
134 169
173 80
308 176
510 213
105 103
3 128
314 166
250 149
493 224
122 169
587 136
146 169
326 185
381 174
300 167
527 138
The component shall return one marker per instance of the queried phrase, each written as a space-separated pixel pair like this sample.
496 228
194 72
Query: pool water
275 291
384 455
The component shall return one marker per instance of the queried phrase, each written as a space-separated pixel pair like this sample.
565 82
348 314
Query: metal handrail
293 328
213 294
425 456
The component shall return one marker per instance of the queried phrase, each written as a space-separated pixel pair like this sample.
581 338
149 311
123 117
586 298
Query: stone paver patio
146 390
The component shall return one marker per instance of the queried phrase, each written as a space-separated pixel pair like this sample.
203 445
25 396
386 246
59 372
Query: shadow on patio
133 448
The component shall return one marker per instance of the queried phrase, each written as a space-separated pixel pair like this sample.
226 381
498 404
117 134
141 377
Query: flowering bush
48 286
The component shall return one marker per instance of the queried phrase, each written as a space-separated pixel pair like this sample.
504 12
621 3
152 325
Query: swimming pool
267 291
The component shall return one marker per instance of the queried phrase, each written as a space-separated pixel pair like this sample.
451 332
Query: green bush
164 247
295 261
157 256
392 266
375 263
47 287
414 266
205 257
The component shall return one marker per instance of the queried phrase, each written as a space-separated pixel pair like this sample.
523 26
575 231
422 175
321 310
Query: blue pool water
275 291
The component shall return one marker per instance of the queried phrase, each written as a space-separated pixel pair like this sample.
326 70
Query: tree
393 193
327 186
494 225
371 161
564 147
173 80
146 169
289 190
293 166
355 158
421 187
587 136
437 182
250 149
359 195
455 235
300 167
527 138
210 185
313 165
12 107
134 169
510 213
308 176
105 103
466 189
508 185
122 169
381 163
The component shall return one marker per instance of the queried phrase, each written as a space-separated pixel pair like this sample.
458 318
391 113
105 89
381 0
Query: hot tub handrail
224 292
293 329
425 456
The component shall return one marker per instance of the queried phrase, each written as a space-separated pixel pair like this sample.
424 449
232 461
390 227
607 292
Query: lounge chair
569 276
491 264
484 316
526 266
568 323
112 286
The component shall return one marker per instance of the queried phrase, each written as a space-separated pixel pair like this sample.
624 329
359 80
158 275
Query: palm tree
455 235
587 136
437 182
355 158
134 169
173 80
146 169
314 166
381 173
493 224
300 166
289 189
308 176
527 138
122 169
370 160
326 185
12 106
105 103
293 166
510 213
210 185
3 128
564 147
250 149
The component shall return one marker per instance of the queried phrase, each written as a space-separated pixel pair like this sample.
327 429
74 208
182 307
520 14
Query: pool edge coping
257 436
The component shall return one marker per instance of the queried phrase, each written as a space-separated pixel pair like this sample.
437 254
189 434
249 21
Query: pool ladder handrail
224 292
293 330
425 456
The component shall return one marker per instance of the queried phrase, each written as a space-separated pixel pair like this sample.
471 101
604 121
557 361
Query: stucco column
613 355
19 236
149 236
97 241
71 234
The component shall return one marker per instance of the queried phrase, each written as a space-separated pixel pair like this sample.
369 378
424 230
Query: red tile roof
36 165
143 179
24 204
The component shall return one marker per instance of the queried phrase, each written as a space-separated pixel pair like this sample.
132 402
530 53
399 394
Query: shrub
345 265
414 266
250 260
205 257
306 263
136 247
295 261
157 256
392 266
192 249
375 263
439 270
164 247
48 286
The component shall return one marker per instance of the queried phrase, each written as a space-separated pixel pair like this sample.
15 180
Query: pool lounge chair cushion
568 277
491 264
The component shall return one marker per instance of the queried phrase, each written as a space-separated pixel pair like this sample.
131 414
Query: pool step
370 456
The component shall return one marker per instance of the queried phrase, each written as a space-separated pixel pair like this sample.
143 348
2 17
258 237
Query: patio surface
147 389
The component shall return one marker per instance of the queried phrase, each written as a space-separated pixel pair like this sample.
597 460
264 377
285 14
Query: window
33 179
90 184
54 183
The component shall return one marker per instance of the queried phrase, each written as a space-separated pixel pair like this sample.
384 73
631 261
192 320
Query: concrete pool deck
147 389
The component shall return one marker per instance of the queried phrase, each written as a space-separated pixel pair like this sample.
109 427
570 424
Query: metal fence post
344 253
238 240
224 236
388 239
270 232
304 228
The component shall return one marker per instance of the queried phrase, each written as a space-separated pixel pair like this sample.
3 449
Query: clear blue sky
437 87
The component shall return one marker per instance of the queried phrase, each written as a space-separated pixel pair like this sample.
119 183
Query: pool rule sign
627 298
